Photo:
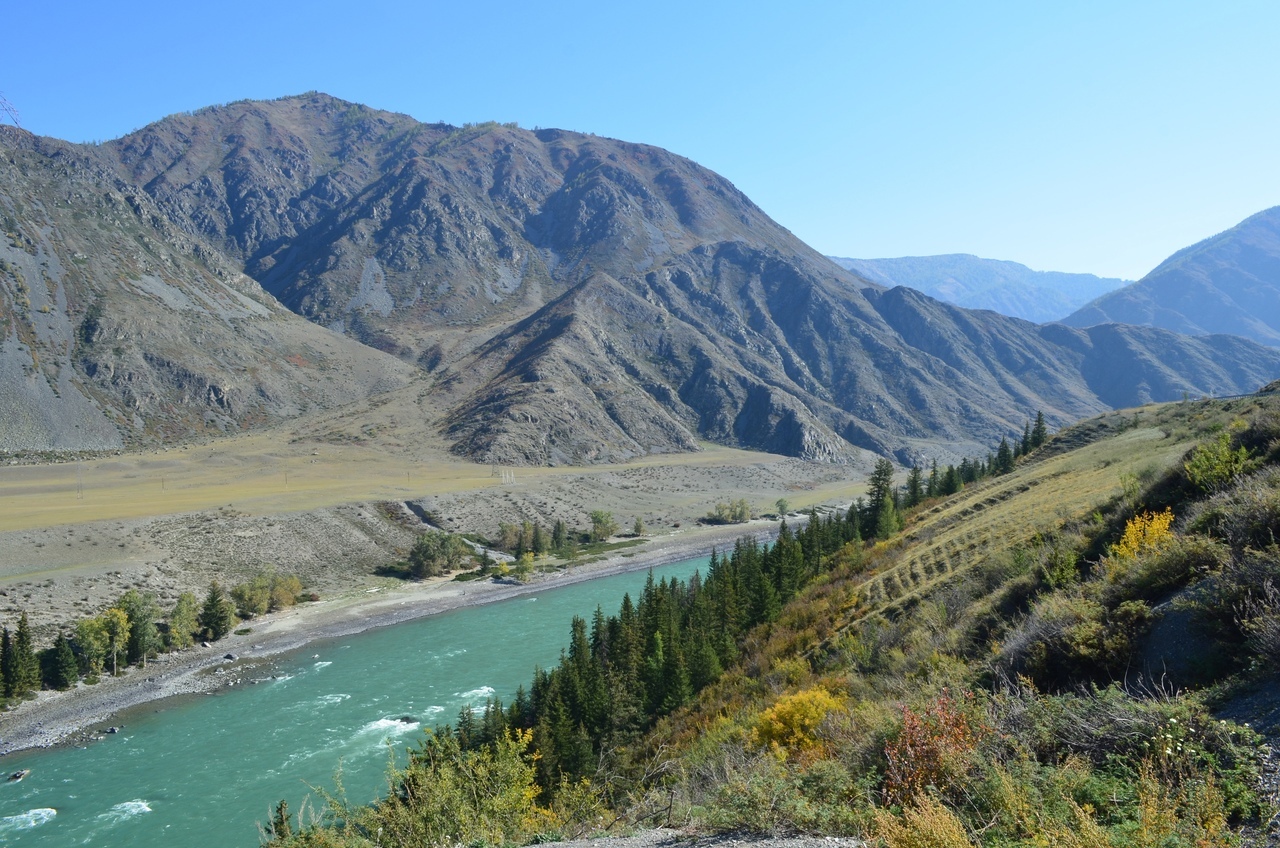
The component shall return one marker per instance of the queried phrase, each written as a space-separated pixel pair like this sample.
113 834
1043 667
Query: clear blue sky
1077 136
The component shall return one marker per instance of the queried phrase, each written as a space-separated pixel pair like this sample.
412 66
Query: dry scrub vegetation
1011 670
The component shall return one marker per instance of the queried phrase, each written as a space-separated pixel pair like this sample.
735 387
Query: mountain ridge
574 299
1227 283
1009 288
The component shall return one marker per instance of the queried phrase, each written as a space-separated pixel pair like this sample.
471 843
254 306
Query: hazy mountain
1005 287
117 328
580 299
1226 284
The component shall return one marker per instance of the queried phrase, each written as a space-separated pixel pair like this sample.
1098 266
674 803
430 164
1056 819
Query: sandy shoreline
76 716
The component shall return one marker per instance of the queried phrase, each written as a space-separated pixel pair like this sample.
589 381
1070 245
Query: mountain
119 329
1229 283
1005 287
581 299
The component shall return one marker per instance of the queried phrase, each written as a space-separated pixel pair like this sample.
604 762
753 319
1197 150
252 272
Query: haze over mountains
975 283
550 297
1229 283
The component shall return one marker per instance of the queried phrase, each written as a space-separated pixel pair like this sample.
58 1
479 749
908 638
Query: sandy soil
78 715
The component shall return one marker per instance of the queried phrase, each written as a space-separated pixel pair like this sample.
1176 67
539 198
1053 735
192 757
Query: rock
228 656
18 775
205 645
112 730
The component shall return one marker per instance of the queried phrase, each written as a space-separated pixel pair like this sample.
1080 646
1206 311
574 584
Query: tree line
622 672
133 630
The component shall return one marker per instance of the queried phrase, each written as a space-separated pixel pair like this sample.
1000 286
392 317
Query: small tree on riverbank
217 615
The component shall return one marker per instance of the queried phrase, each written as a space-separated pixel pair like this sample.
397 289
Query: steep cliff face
116 327
579 299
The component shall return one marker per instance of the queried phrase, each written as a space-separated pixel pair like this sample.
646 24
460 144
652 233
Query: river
205 770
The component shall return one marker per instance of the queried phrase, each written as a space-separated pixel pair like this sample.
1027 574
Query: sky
1085 136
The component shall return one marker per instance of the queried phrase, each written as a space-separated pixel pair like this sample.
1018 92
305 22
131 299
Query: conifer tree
26 662
1026 438
1004 457
66 671
1039 433
8 665
217 615
934 489
559 536
879 485
915 487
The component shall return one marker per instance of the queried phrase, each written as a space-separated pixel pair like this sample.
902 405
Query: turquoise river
204 771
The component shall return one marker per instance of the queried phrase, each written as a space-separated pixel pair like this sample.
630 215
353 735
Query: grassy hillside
1035 661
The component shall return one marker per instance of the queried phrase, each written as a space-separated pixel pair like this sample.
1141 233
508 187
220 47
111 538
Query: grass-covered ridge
1001 673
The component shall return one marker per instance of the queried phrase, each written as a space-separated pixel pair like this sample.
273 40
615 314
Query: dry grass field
324 500
1075 473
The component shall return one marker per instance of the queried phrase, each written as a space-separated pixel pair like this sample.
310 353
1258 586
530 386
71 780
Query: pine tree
559 536
66 671
915 487
1004 457
879 486
218 615
8 665
1039 433
1026 438
24 657
934 489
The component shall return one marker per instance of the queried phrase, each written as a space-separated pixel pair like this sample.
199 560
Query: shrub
792 724
1243 516
1214 464
926 823
934 748
1146 531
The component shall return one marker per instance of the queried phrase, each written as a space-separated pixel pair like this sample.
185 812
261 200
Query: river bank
78 715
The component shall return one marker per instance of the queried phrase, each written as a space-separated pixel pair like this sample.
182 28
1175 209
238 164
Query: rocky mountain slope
975 283
117 328
1229 283
581 299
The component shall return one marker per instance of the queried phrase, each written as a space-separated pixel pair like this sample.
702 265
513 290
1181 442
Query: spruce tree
1026 438
934 489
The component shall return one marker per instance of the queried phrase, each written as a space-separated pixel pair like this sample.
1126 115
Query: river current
204 771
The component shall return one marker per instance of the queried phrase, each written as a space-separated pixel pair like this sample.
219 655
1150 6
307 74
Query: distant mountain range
1226 284
970 281
547 297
